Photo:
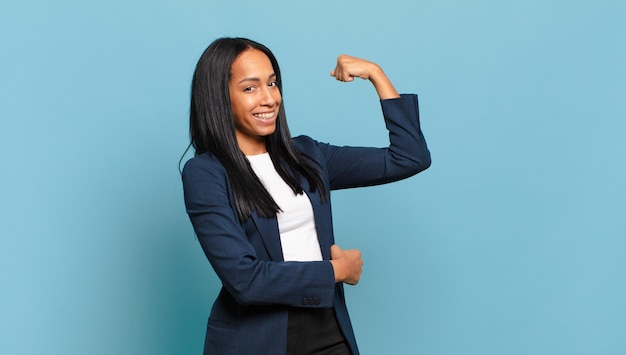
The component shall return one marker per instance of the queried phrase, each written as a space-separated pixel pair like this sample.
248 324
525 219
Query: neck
253 149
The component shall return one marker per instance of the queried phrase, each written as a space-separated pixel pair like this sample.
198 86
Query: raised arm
407 153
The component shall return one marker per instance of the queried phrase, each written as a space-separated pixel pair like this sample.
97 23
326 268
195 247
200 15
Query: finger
345 76
338 73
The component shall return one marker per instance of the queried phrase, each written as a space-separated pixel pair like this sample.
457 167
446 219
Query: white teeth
264 116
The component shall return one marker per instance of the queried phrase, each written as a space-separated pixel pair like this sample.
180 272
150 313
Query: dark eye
273 83
248 88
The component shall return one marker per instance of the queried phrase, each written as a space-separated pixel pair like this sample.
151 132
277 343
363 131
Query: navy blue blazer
250 313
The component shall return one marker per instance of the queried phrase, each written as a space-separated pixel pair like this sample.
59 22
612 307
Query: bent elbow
247 291
420 164
243 296
243 299
425 163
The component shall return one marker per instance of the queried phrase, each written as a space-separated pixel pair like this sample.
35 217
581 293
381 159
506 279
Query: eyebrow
272 76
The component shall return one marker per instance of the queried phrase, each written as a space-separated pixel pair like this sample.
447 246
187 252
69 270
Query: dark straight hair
212 130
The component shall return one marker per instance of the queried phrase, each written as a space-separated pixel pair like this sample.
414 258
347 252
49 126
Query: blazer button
305 301
316 300
311 300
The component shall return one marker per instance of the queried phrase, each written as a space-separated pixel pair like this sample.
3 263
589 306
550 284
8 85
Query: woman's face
255 100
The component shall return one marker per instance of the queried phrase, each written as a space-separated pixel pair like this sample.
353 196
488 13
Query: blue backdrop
513 242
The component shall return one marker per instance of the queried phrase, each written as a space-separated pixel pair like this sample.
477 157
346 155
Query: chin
269 131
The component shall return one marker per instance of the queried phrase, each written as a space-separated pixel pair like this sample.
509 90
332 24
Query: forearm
264 282
382 84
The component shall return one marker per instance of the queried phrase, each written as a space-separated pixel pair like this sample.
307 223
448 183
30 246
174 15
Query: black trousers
314 331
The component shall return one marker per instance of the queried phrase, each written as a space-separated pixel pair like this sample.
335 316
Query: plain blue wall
512 243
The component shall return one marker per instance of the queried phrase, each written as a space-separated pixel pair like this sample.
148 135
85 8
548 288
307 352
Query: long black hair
212 130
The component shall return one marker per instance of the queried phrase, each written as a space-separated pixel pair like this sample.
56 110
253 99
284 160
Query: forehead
252 62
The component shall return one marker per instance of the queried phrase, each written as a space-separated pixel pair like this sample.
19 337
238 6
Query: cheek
239 104
278 97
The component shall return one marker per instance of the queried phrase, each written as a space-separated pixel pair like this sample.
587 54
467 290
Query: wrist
382 84
376 73
337 271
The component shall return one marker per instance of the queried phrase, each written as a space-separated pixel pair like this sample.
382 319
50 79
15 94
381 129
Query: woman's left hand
349 67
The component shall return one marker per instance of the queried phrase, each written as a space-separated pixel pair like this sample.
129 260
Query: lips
265 116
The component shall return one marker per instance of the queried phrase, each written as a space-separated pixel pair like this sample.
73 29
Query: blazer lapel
270 234
323 223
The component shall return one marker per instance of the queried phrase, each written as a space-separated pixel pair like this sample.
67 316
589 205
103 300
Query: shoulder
310 148
305 143
205 160
203 166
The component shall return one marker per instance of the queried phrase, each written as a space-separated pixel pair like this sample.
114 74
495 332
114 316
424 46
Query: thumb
332 73
335 250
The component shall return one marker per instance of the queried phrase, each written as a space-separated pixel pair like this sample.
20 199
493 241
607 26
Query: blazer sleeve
406 155
248 279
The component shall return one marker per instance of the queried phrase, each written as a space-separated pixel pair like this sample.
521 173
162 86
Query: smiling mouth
265 116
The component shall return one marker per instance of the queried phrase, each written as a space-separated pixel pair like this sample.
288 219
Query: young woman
259 201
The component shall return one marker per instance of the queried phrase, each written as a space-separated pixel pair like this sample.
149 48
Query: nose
268 96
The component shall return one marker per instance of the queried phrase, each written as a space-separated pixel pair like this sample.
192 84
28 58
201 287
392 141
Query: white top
296 223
